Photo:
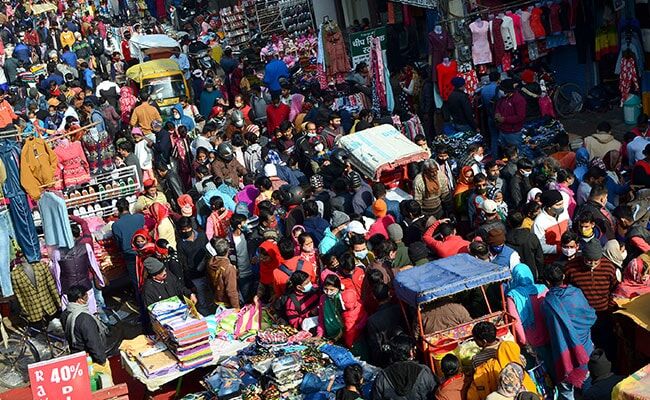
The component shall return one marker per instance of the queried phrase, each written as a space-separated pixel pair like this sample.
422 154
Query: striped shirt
597 285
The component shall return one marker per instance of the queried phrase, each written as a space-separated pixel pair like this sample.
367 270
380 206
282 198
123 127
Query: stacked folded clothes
153 357
186 336
286 373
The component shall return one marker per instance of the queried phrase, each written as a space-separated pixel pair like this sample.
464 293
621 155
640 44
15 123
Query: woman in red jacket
340 314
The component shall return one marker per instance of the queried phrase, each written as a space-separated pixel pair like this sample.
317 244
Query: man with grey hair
222 275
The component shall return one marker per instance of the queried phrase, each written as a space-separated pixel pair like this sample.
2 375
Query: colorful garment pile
186 336
285 373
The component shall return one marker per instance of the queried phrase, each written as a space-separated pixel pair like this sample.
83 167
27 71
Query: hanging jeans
24 227
6 233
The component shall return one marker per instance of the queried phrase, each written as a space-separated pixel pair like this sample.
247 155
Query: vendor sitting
160 285
83 331
443 314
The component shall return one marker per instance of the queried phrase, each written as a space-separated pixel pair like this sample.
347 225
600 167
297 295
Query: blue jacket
124 229
70 58
316 227
183 120
88 76
331 244
503 258
207 101
10 154
22 53
273 71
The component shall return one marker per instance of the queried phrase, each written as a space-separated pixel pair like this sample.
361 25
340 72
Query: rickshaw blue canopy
446 277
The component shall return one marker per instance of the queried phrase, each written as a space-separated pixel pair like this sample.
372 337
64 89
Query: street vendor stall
382 153
418 286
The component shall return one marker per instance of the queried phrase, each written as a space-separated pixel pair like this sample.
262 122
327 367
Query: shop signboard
63 378
360 44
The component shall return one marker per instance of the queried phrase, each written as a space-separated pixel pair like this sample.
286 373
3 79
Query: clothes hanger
83 128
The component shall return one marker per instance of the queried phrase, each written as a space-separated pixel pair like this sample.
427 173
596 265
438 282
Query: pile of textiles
153 357
540 133
458 142
185 335
282 364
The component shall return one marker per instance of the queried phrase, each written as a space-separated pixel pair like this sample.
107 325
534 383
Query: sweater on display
73 166
445 74
38 164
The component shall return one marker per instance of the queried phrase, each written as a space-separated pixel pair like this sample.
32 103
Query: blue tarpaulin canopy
446 277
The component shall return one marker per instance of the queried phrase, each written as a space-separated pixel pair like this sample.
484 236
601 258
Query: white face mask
319 147
569 252
526 173
478 158
624 255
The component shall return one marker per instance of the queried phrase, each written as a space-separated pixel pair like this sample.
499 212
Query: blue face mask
361 254
497 249
307 288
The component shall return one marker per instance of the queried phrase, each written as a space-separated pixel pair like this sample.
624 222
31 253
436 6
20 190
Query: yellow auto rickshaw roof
153 69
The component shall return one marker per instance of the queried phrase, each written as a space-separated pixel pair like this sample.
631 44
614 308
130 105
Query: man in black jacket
519 185
404 378
82 330
460 108
171 185
192 255
524 242
383 325
162 284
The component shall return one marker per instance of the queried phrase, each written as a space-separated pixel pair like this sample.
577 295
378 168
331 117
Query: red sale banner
63 378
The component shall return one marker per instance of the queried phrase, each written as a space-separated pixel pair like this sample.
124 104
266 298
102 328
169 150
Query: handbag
249 318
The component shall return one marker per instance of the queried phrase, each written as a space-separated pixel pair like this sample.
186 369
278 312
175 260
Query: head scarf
297 100
463 184
511 380
521 287
148 250
612 251
636 278
532 193
158 212
267 267
127 101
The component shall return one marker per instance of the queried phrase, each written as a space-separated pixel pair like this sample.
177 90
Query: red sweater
513 110
449 246
276 115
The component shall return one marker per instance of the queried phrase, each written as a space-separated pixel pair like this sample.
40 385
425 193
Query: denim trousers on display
6 233
23 223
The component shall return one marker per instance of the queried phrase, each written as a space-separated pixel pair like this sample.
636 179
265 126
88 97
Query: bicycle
567 97
17 351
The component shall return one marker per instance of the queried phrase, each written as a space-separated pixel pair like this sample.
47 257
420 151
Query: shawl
159 212
76 310
636 278
511 380
569 319
127 102
612 251
463 184
148 250
297 100
532 193
431 185
521 287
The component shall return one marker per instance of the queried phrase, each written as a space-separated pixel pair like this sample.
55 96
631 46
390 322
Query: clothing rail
484 10
83 128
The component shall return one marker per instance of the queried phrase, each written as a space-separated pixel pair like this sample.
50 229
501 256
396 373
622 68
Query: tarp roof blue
446 277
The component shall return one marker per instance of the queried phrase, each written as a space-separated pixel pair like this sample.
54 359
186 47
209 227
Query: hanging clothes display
526 30
337 54
73 169
36 291
516 23
536 23
441 45
38 165
382 94
446 72
21 215
56 225
99 150
480 46
508 33
628 79
496 40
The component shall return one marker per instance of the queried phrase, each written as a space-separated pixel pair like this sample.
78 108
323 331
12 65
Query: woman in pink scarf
636 278
127 103
297 101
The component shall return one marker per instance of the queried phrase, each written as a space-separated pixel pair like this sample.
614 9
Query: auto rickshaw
162 79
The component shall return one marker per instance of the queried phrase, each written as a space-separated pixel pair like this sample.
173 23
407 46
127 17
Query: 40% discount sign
63 378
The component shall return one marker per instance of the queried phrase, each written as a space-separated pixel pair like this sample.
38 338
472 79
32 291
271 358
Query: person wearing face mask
222 275
587 229
302 298
431 190
219 219
192 255
596 277
290 264
161 284
570 246
446 165
603 219
474 158
476 198
357 242
551 223
500 253
308 251
510 114
520 184
276 113
341 316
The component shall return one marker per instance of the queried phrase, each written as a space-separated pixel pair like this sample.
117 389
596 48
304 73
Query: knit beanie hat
496 237
395 232
418 251
550 197
153 266
599 365
355 179
592 250
339 218
316 181
379 208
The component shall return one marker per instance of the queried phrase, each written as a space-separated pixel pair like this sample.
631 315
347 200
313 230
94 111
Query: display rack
235 25
98 197
297 16
269 18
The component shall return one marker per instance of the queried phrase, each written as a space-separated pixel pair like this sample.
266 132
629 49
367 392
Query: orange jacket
7 115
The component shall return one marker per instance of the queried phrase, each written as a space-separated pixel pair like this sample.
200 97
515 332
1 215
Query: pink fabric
640 244
73 167
536 335
380 226
636 280
248 195
481 53
297 101
516 21
127 103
